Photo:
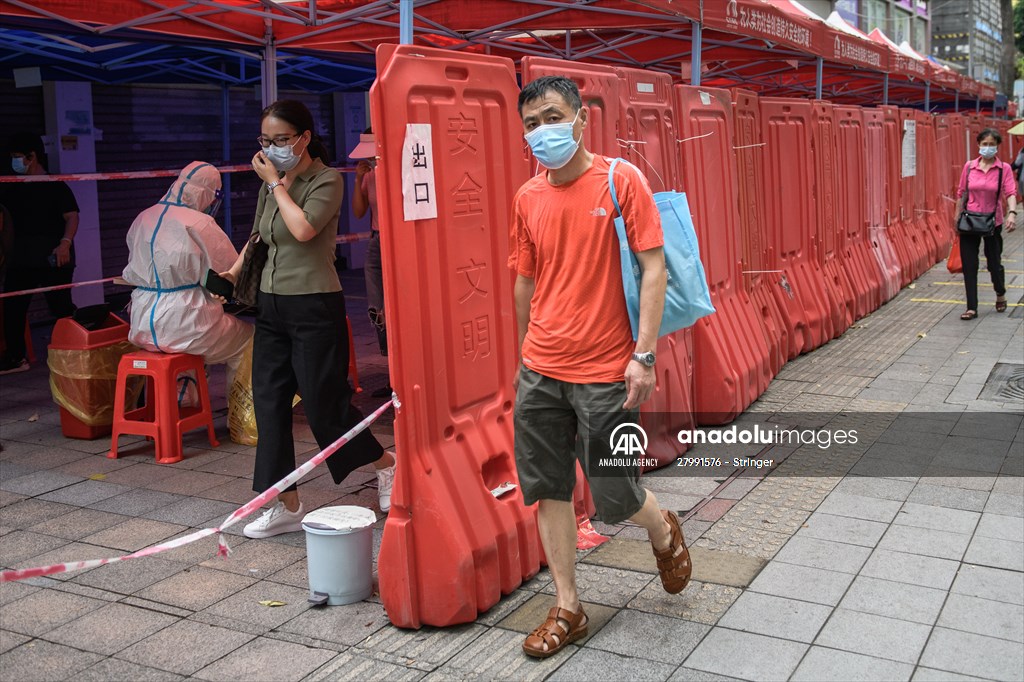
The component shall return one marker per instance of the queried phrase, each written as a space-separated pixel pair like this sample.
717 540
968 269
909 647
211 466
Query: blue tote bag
687 298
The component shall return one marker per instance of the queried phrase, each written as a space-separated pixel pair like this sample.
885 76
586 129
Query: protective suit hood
197 187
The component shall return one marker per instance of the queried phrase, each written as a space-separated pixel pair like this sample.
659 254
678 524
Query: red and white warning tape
341 239
222 549
130 175
56 287
354 237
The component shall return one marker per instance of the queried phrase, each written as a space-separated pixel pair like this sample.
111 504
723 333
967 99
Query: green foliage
1018 26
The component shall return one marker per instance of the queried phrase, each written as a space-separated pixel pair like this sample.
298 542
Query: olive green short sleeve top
295 267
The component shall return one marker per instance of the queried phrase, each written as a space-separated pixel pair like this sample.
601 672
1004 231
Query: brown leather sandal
675 570
1001 306
554 635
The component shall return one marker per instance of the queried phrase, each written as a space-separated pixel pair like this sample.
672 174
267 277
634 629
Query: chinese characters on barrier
418 195
466 202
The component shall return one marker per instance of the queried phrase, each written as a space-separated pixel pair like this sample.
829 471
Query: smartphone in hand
216 284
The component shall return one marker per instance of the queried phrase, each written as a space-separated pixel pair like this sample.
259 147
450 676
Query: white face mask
988 152
283 158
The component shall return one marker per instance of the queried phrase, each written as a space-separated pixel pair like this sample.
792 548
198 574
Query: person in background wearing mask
365 199
45 217
986 193
171 248
301 339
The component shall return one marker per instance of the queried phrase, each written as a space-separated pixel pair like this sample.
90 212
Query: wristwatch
645 359
273 185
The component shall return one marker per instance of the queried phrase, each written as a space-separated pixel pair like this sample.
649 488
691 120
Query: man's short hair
560 84
26 143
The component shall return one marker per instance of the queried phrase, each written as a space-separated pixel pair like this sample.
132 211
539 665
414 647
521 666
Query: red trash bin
83 373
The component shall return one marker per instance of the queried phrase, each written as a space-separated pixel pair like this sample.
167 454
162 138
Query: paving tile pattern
900 557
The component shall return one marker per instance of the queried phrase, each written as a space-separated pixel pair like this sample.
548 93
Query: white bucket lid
344 519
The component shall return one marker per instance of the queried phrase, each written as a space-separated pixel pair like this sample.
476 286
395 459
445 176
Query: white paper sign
419 199
909 155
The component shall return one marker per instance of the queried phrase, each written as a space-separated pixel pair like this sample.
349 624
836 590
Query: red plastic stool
160 418
353 371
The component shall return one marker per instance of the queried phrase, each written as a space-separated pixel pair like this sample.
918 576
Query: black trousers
301 345
16 308
969 247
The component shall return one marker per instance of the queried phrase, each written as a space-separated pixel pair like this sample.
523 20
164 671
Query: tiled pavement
900 558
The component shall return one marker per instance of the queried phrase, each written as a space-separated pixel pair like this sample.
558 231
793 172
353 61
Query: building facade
908 20
969 35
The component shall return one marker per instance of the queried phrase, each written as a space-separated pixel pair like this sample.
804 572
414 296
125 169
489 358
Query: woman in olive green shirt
301 341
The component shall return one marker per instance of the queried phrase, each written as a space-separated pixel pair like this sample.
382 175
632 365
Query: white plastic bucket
339 554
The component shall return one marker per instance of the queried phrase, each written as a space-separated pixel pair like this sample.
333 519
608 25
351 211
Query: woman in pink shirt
986 190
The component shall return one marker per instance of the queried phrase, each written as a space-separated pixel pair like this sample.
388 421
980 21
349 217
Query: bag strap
611 185
967 187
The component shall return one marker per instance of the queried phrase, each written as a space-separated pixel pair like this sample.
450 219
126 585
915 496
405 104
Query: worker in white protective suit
171 247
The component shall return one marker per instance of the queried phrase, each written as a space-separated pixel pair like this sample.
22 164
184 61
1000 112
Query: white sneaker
275 521
385 479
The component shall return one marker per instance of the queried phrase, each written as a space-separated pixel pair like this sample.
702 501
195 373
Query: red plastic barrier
911 259
731 359
923 203
975 124
853 218
786 125
831 240
879 201
647 126
450 548
944 183
911 197
959 146
931 194
758 261
671 408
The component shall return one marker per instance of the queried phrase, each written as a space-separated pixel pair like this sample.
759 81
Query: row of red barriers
805 222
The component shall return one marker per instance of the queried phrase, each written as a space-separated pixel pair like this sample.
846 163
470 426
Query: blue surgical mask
283 158
553 144
988 152
18 165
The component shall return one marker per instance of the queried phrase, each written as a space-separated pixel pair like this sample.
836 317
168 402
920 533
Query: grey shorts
556 423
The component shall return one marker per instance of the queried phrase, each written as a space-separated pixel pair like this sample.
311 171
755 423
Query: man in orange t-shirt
582 375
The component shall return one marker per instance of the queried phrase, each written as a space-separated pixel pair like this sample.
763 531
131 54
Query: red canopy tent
775 47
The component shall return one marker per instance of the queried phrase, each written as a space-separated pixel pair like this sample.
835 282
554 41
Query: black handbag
971 222
247 286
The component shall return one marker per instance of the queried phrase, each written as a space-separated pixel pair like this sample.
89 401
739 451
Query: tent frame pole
695 54
819 67
927 97
405 14
225 150
885 89
268 67
956 103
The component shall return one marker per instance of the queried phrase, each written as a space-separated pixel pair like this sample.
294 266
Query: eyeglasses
281 141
